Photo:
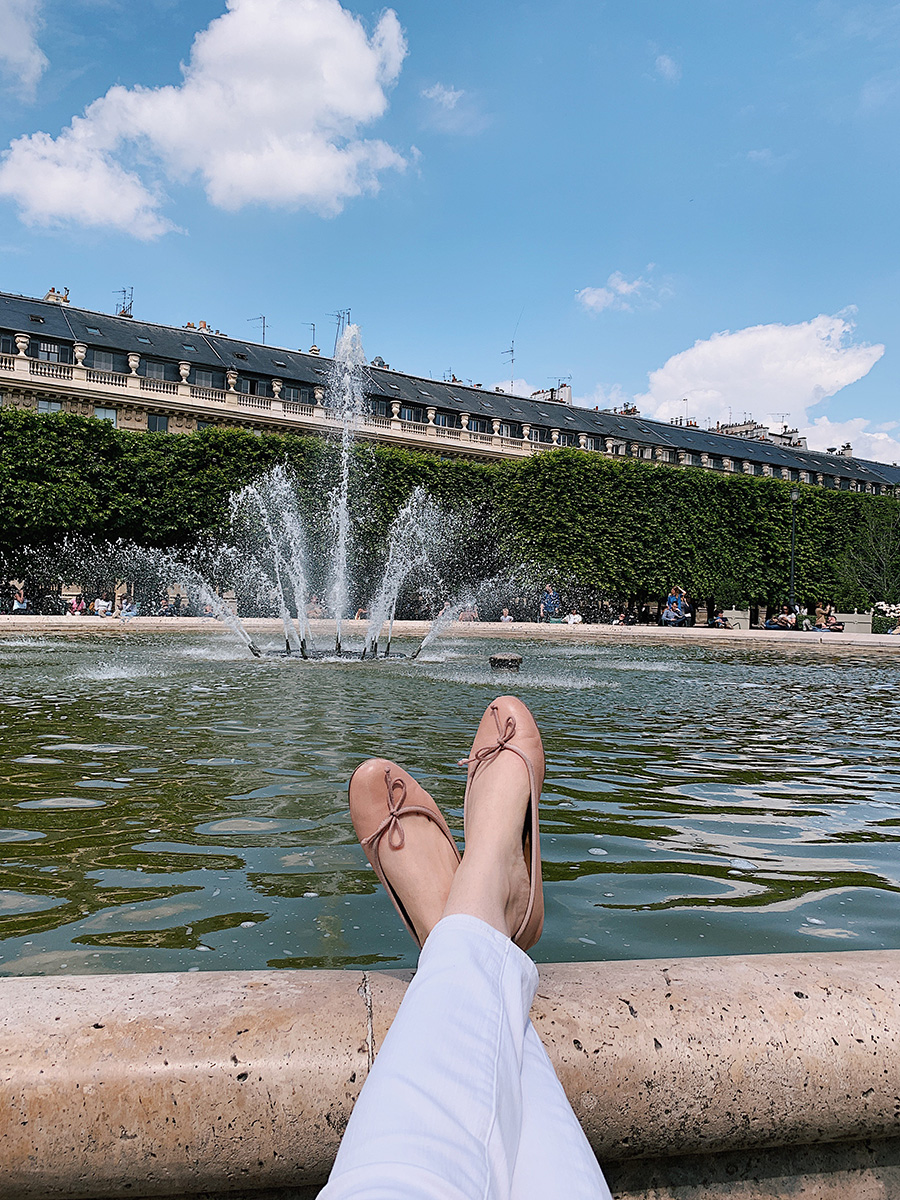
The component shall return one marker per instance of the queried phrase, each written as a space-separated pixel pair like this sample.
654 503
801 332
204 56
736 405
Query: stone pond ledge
520 632
723 1078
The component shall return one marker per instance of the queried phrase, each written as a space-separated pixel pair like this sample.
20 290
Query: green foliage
624 527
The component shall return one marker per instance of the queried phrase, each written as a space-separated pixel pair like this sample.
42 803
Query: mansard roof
207 350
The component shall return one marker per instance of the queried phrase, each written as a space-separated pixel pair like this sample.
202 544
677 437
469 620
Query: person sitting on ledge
127 609
825 618
720 621
19 600
76 606
505 617
462 1100
574 617
470 613
362 613
314 609
672 614
784 620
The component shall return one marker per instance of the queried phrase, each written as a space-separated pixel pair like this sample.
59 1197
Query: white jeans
462 1102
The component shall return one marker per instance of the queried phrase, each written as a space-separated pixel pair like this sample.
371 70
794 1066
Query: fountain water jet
348 402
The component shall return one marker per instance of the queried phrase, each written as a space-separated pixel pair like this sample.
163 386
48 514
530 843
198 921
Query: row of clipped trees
624 529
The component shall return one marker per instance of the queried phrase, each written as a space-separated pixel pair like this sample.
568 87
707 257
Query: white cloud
877 443
444 97
452 110
269 112
21 58
621 294
667 68
520 387
768 371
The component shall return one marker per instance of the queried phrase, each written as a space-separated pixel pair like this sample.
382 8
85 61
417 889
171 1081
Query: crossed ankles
408 843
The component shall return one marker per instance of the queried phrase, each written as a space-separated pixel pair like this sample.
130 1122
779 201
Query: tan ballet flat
488 744
379 801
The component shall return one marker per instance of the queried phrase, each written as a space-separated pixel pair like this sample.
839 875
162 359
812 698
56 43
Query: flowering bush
885 617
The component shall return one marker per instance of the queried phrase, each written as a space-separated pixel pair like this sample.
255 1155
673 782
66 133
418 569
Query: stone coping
217 1082
519 631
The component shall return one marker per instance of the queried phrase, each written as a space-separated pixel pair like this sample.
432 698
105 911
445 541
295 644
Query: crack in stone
366 992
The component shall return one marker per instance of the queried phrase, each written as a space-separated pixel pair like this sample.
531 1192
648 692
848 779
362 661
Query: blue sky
661 201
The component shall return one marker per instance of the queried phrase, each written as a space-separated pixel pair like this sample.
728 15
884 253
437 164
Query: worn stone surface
160 1084
706 1054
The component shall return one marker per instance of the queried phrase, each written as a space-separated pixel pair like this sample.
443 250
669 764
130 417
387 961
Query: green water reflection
170 804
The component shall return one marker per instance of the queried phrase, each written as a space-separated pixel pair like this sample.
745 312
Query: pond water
169 803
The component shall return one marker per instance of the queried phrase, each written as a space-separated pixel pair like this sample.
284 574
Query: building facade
55 357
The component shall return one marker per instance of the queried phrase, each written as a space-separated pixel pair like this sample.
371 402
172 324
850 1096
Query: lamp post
795 496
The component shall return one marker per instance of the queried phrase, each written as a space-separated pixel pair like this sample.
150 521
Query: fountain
269 522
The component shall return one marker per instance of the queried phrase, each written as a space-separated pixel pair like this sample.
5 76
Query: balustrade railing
121 388
110 378
205 393
50 370
159 385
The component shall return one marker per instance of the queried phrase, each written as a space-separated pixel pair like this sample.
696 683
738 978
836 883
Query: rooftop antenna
342 321
123 308
311 325
782 417
262 320
511 352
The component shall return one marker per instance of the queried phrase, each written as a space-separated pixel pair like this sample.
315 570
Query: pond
169 803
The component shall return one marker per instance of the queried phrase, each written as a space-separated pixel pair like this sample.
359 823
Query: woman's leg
555 1160
440 1114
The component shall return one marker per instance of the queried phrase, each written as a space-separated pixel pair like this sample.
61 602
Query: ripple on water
233 825
218 762
19 902
95 747
63 802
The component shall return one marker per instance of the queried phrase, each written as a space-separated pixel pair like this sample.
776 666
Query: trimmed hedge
623 527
